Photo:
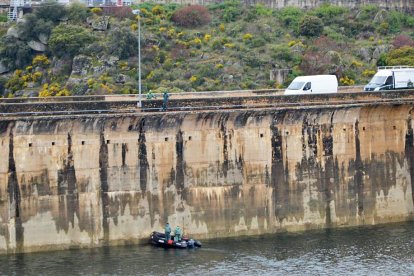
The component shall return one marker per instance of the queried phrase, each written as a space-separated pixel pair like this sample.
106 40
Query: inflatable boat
158 239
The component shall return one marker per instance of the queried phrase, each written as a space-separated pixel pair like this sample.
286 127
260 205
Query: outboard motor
190 243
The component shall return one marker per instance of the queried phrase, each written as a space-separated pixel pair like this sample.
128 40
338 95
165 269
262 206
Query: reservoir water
371 250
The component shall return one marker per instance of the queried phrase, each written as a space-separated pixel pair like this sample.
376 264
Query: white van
317 84
391 77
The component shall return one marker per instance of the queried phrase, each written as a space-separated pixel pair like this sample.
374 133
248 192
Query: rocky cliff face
85 182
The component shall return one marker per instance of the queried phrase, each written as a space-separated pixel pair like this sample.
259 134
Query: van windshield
296 85
378 80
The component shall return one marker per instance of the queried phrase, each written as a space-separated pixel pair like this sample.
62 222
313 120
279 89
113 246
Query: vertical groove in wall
328 174
278 177
224 136
68 200
409 153
103 174
142 157
179 169
359 168
14 196
124 152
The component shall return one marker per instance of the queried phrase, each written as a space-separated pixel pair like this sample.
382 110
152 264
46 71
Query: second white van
317 84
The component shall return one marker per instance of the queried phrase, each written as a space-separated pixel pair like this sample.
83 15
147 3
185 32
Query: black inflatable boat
158 239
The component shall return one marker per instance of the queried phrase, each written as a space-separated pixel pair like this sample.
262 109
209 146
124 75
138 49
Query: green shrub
367 12
3 18
232 10
330 13
401 56
50 11
282 52
310 26
396 20
257 42
14 53
290 16
77 12
32 27
69 40
122 43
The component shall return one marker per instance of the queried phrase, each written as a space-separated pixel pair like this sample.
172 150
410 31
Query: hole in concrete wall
30 145
53 143
108 141
130 128
189 138
287 132
83 143
166 139
363 128
394 127
261 135
344 129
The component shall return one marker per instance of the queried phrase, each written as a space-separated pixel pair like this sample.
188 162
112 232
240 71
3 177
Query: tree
50 11
69 40
122 43
310 26
77 13
191 16
14 53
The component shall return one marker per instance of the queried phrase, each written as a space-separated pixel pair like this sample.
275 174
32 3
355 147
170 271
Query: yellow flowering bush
247 36
171 32
219 66
193 79
157 9
37 76
196 41
150 75
346 81
207 38
291 43
97 11
222 28
106 89
41 61
368 73
90 82
356 64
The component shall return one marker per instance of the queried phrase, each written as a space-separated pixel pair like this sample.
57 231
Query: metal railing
395 67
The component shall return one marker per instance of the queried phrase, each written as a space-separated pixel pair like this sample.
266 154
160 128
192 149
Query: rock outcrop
37 46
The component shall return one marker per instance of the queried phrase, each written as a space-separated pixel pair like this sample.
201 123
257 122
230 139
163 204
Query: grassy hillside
223 46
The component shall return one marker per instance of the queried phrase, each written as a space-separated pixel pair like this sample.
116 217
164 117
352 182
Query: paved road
115 105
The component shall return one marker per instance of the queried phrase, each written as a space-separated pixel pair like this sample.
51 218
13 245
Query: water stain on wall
110 180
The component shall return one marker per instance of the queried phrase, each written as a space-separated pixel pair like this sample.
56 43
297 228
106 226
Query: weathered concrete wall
85 182
387 4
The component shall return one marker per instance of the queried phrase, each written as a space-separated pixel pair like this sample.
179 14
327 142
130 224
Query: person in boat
177 234
167 231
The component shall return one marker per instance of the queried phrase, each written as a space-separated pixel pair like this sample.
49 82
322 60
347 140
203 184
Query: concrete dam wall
93 181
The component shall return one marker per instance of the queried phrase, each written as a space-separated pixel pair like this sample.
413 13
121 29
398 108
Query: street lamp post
138 12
